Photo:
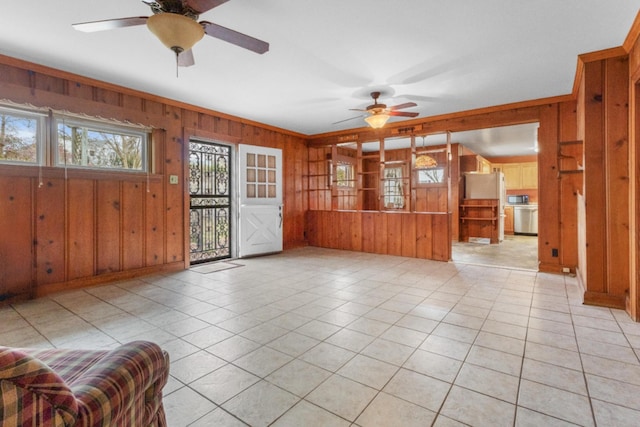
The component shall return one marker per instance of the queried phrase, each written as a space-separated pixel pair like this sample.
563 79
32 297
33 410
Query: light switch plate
173 179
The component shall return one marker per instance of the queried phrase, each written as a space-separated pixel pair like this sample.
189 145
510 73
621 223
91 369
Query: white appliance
488 186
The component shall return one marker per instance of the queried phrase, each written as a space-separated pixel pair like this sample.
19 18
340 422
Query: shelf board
466 218
570 142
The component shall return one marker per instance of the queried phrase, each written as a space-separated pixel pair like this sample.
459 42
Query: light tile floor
318 337
516 251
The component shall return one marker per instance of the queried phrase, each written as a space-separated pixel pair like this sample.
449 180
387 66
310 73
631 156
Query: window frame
349 181
98 126
41 139
398 182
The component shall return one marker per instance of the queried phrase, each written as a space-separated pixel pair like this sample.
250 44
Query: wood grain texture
418 235
16 247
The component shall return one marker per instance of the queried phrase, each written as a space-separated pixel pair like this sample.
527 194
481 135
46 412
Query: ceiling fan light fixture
177 32
377 121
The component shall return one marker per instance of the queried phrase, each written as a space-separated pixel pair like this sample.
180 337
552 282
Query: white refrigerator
487 186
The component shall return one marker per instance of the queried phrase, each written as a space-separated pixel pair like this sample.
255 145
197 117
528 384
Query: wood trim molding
598 55
633 34
44 290
604 300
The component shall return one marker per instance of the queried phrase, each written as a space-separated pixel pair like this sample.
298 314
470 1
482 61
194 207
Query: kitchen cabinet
529 175
512 176
508 220
474 163
520 176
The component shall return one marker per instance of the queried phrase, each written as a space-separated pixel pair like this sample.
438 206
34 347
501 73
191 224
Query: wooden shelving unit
479 218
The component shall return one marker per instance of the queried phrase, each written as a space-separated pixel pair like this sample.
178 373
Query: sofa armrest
31 392
124 387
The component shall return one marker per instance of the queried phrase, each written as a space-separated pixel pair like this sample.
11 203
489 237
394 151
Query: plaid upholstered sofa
54 387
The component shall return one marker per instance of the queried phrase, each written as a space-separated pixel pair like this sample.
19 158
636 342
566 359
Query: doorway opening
210 201
507 237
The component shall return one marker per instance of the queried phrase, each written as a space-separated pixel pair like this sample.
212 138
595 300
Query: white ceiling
327 56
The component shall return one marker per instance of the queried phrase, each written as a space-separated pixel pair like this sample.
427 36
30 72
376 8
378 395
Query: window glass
393 189
91 145
20 134
431 176
345 176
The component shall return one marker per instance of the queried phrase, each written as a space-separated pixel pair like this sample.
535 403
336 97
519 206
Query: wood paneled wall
74 228
633 302
604 127
417 235
556 121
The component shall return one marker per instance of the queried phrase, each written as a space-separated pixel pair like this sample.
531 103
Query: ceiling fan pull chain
177 51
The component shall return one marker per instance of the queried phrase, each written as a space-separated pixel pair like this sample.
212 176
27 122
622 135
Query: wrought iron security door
210 201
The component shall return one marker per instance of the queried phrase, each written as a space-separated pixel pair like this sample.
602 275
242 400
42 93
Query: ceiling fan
380 113
175 23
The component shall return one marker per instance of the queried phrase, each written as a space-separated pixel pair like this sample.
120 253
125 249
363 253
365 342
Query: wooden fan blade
185 59
234 37
356 109
402 106
202 6
110 24
403 114
350 118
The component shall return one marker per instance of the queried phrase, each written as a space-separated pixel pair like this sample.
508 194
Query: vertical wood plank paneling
108 226
380 239
50 229
16 213
595 196
441 242
548 195
409 235
617 178
81 229
175 194
356 231
570 186
368 231
312 231
424 236
394 234
345 229
133 225
330 229
154 221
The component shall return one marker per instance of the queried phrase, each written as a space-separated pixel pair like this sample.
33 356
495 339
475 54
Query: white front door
260 223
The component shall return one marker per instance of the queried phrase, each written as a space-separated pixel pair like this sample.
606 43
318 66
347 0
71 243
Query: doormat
481 240
214 267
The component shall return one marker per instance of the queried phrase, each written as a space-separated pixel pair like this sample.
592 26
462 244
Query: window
393 189
36 137
21 134
431 176
89 144
345 176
